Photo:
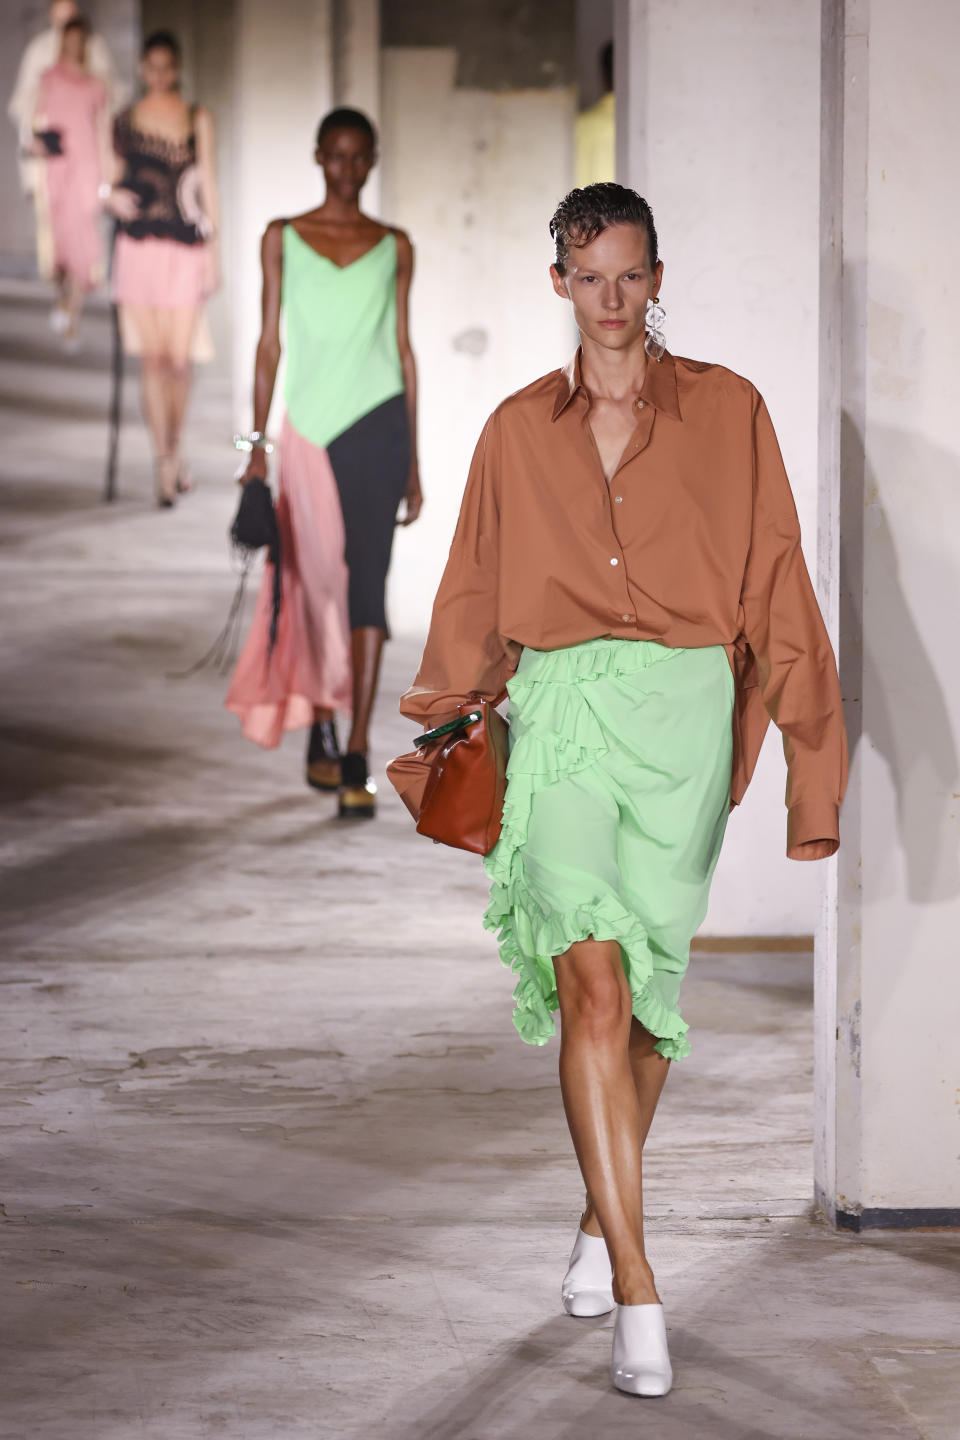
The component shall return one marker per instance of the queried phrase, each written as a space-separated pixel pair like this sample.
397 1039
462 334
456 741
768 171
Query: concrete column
719 126
356 71
888 988
283 84
630 55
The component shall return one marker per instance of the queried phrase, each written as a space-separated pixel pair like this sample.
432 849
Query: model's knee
593 993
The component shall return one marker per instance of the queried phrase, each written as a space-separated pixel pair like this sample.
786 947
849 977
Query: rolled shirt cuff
810 822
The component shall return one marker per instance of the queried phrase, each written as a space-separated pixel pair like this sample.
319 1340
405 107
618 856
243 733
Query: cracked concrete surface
275 1165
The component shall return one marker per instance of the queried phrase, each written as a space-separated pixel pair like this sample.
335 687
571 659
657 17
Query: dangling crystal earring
655 344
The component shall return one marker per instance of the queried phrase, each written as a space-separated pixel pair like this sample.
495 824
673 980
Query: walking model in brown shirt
632 496
645 501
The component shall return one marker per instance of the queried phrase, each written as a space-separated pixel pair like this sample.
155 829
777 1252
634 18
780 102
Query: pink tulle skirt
161 273
310 664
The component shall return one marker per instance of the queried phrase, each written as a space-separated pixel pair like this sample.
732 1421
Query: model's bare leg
58 316
180 327
179 380
322 713
367 648
153 380
72 298
146 321
602 1109
650 1071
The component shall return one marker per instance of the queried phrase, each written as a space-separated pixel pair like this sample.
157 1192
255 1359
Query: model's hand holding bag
453 783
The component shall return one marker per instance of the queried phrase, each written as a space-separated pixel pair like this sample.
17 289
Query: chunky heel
358 793
641 1360
587 1287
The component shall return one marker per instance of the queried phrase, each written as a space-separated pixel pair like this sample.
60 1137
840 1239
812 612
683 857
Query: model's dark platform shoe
358 793
323 756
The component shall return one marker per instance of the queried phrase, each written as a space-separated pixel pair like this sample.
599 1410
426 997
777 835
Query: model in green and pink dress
347 460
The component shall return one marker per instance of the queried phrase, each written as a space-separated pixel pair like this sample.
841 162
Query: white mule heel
641 1360
587 1287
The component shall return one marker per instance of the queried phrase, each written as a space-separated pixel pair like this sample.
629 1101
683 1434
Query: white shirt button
614 560
624 617
618 499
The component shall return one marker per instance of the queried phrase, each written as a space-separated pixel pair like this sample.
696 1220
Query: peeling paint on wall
471 342
848 1034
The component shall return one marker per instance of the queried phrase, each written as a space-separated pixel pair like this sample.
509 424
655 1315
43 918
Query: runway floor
275 1164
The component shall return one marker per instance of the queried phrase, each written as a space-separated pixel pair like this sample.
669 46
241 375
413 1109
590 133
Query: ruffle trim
529 955
557 729
590 660
556 734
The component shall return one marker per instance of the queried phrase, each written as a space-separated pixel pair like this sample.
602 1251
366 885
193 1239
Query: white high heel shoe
587 1287
641 1360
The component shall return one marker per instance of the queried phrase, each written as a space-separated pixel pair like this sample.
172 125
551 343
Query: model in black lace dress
165 260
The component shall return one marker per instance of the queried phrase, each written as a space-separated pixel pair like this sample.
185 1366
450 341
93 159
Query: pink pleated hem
310 663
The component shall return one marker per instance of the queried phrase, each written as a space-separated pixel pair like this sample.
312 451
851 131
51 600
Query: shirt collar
659 385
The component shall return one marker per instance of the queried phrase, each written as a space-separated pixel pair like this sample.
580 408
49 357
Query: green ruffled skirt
618 788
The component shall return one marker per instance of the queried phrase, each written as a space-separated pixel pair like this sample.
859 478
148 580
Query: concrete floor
275 1164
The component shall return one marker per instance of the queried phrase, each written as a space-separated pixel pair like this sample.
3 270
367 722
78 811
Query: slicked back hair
585 213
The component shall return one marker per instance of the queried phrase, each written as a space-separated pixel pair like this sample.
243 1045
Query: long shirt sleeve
465 656
797 672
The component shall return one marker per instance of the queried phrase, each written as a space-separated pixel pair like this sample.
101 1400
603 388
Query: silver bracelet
255 440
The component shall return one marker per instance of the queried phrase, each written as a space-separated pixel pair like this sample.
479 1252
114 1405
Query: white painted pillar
283 85
357 72
888 981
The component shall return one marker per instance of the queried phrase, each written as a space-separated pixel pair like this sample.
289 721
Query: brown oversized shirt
695 541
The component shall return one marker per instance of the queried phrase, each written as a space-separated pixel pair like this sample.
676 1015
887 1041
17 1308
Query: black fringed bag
254 528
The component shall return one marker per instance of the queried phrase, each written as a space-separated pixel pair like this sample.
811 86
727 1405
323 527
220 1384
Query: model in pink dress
70 123
165 262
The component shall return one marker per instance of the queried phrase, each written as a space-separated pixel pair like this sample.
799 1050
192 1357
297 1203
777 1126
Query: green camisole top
342 359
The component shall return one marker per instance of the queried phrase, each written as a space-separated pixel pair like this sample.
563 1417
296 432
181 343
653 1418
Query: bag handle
461 723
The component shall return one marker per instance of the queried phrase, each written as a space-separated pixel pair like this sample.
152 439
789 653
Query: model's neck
612 374
341 210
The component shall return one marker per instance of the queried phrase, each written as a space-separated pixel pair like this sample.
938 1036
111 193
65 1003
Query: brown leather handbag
462 801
